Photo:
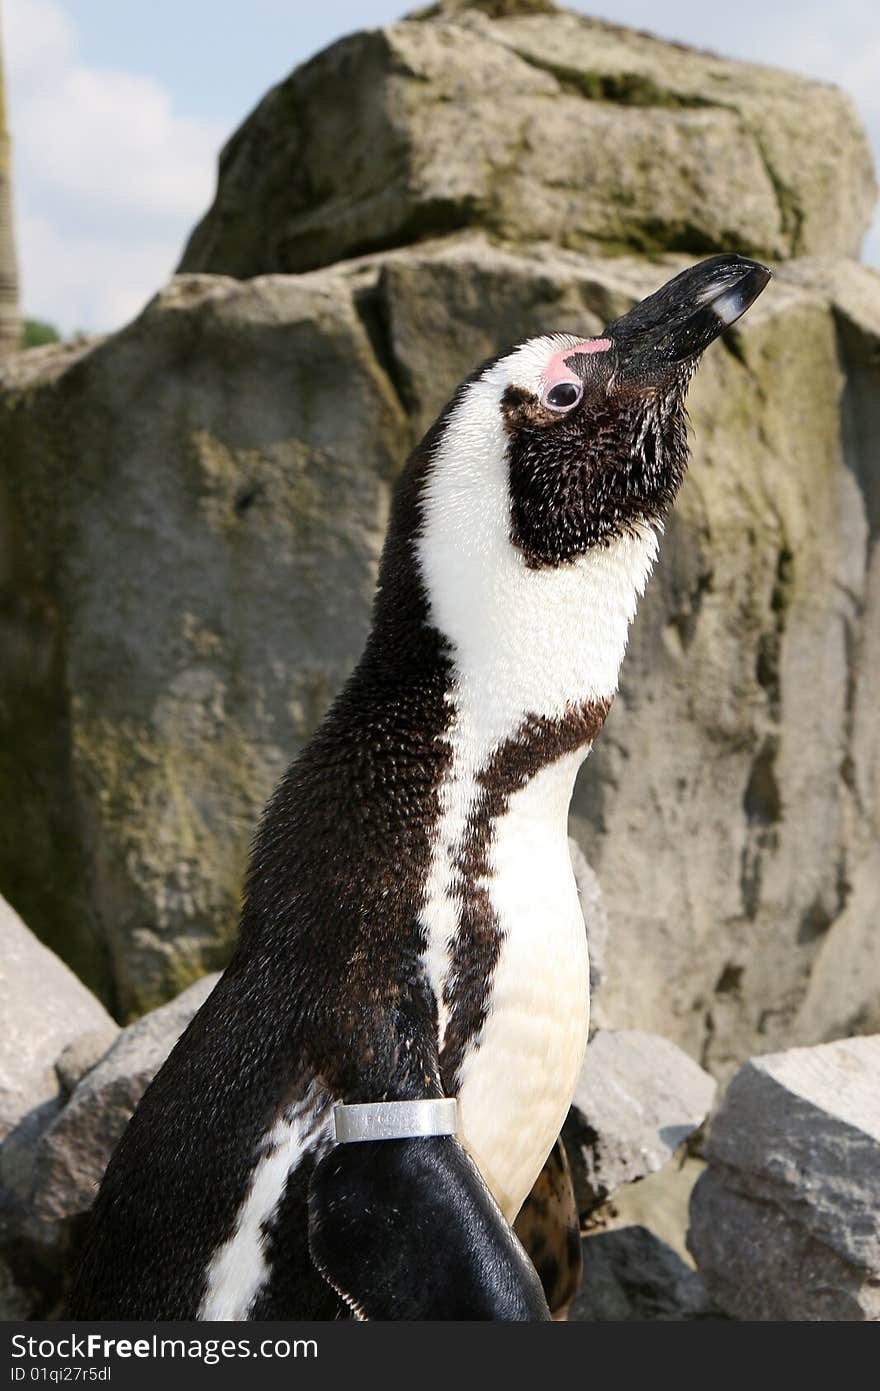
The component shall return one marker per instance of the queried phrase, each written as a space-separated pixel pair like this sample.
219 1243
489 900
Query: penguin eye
563 396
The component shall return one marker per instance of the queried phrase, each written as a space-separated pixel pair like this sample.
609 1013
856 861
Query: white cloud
108 177
123 149
39 37
101 282
860 75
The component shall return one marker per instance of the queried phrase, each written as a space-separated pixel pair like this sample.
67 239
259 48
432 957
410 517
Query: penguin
411 938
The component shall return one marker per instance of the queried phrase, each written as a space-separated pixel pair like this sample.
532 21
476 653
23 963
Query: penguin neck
532 650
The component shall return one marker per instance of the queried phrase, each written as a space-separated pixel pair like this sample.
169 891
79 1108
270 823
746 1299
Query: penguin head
590 434
595 429
531 509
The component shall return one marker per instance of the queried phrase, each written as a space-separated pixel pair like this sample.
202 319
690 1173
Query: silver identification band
395 1120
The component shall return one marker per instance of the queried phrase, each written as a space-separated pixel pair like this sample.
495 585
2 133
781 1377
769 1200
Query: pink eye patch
556 369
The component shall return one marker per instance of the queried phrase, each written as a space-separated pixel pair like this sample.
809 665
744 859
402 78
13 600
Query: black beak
674 325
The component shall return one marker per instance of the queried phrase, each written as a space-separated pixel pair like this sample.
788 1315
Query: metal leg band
395 1120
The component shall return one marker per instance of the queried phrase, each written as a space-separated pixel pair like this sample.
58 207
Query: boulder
785 1222
638 1099
44 1009
530 125
41 1212
79 1057
73 1153
731 805
631 1276
46 1012
191 579
595 917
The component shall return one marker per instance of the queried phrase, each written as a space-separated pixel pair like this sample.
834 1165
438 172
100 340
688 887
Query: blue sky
118 111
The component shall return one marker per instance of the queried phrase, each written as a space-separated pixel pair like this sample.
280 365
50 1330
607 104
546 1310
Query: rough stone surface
785 1223
195 513
44 1008
15 1302
595 917
843 993
631 1276
45 1011
81 1056
73 1153
530 126
42 1201
731 808
638 1099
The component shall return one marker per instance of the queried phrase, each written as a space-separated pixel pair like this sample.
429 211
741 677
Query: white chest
519 1072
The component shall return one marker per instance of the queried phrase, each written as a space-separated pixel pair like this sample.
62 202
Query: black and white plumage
411 925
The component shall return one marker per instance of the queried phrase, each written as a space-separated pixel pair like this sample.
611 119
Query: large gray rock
546 125
73 1153
40 1213
637 1100
730 808
785 1222
595 918
45 1012
44 1009
204 537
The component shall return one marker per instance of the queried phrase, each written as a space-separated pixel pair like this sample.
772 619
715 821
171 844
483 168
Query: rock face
187 593
73 1153
43 1200
47 1013
785 1222
547 126
45 1010
595 919
637 1101
191 511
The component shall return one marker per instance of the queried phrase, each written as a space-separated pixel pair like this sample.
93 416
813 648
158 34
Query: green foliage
35 333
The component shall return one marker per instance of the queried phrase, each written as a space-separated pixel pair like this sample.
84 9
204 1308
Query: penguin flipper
407 1229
